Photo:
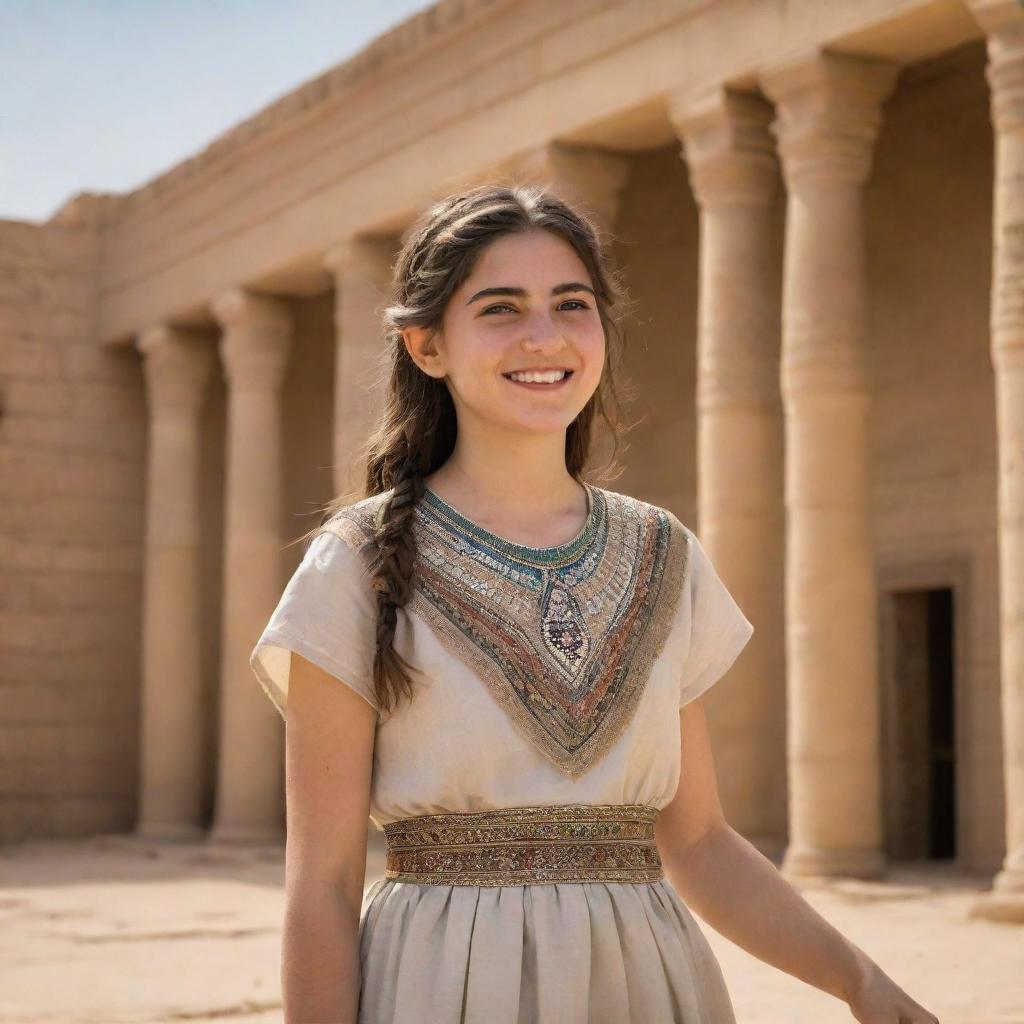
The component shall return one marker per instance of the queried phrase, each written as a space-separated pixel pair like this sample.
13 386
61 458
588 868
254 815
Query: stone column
730 154
362 280
178 366
828 115
255 348
1004 25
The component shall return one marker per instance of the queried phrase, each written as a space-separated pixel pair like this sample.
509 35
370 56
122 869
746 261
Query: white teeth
550 377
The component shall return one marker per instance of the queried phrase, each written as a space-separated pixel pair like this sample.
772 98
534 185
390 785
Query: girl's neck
538 510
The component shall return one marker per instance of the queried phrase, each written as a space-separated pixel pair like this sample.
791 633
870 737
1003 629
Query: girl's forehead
538 243
515 261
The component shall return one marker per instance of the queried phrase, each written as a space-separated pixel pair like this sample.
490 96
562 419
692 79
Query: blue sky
102 95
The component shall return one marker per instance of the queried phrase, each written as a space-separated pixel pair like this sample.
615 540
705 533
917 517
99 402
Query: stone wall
72 437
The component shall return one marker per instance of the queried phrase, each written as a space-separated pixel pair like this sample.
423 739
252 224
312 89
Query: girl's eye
504 305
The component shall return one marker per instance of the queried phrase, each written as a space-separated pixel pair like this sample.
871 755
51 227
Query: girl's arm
328 765
741 894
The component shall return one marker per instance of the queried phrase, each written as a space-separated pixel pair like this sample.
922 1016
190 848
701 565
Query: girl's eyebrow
572 286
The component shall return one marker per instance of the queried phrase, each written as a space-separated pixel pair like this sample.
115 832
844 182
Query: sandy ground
113 929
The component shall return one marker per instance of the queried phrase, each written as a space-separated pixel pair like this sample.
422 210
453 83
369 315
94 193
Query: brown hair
417 429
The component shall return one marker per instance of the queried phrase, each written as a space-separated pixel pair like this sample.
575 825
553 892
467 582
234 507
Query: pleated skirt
591 952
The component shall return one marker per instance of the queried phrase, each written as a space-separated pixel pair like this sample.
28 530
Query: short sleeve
327 614
718 628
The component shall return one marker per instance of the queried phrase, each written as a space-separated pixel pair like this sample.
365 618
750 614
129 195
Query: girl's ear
422 345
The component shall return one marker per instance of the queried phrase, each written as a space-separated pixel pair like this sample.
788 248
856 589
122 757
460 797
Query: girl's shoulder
632 507
356 523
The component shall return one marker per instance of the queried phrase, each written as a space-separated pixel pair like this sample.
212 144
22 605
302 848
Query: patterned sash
526 845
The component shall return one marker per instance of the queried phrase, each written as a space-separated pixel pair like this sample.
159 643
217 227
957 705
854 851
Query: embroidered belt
526 845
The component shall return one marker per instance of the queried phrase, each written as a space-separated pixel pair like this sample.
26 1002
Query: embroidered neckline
553 555
564 638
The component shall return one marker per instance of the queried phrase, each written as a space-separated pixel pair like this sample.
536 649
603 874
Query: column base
1004 901
810 862
172 831
245 835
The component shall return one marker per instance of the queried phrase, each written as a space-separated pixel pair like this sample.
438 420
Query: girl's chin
537 425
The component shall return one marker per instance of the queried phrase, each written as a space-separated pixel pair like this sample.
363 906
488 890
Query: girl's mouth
540 385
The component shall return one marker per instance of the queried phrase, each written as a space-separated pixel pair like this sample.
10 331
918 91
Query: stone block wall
72 479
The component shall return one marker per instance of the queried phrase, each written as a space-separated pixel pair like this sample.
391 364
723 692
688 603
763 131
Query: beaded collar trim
557 555
526 846
564 637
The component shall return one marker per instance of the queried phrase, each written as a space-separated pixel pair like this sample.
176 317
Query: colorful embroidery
563 637
526 845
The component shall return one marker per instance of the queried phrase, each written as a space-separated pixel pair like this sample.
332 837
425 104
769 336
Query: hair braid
392 570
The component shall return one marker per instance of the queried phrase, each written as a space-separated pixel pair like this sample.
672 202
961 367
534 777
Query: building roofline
382 54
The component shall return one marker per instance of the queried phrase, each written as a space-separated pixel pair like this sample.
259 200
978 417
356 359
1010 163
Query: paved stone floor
114 929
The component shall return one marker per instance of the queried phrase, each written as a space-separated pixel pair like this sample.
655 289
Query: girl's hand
877 999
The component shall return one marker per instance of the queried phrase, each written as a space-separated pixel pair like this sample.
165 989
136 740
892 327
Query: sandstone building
820 211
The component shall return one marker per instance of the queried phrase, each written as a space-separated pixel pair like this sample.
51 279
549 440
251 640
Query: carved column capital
364 255
1003 24
586 176
728 147
240 307
829 110
178 365
997 16
257 339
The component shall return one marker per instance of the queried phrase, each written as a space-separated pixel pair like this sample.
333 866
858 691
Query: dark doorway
918 728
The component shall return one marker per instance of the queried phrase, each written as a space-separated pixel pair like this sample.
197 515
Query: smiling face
527 305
